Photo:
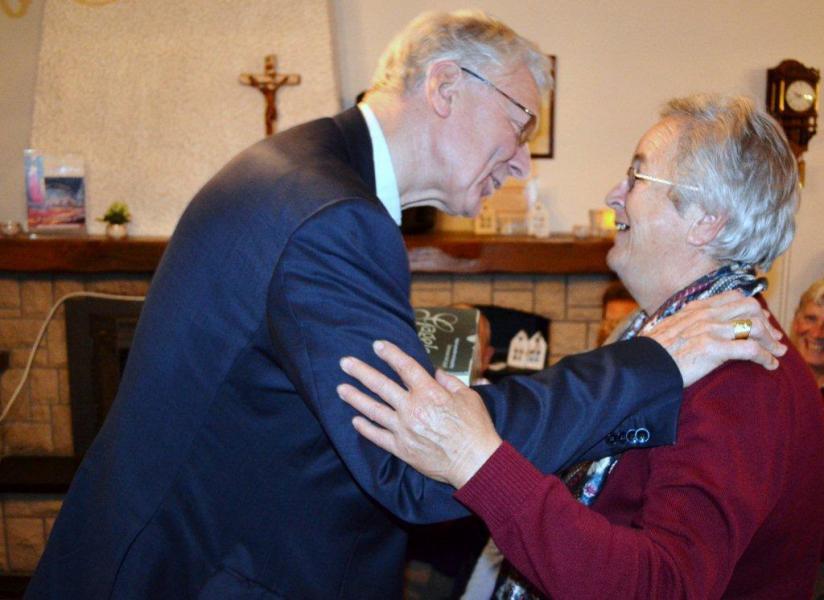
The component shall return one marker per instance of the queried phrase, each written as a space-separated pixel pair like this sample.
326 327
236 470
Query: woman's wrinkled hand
700 337
438 426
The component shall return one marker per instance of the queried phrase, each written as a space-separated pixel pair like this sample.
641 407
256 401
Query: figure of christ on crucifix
269 83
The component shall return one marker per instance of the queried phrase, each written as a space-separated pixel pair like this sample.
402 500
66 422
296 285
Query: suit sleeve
590 405
343 282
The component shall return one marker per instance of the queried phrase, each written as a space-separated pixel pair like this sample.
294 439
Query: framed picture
543 144
56 192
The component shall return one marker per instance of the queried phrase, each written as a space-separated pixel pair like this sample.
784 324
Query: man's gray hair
738 159
471 38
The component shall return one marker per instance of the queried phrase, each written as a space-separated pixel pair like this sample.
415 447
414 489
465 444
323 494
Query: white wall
618 61
147 92
19 46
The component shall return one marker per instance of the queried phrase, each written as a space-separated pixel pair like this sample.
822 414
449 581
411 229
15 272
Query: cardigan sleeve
703 500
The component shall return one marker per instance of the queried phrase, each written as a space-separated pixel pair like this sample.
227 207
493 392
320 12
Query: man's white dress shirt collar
386 185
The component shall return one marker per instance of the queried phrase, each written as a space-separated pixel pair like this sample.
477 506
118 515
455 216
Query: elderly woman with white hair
734 509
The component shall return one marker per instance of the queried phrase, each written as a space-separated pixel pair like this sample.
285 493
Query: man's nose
519 163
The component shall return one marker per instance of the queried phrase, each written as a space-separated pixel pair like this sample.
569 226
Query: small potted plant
116 219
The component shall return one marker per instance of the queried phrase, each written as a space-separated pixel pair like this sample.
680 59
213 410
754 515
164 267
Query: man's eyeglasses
527 129
633 175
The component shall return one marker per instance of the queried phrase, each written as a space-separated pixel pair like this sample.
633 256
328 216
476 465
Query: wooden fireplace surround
456 253
428 253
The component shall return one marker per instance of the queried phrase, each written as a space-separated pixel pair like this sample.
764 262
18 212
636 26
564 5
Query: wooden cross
269 82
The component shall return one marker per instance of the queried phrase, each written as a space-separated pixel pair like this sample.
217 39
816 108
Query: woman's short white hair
739 162
471 38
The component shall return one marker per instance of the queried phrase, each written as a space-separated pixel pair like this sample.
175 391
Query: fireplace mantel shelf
428 253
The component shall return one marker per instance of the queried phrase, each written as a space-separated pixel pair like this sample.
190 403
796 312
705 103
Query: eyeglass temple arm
666 181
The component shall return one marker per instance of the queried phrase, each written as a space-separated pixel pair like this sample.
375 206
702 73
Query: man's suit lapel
358 144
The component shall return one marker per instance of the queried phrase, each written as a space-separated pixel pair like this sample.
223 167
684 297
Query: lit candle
602 221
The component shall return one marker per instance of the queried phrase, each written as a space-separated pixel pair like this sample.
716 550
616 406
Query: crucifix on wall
269 82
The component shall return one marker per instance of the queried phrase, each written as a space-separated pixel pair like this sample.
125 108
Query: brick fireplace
41 421
34 274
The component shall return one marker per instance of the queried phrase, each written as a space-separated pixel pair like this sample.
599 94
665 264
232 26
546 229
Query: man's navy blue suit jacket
228 466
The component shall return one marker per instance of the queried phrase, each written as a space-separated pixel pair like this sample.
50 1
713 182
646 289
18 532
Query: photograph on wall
542 146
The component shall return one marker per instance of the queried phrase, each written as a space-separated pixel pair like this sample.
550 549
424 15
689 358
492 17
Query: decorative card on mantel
450 337
55 192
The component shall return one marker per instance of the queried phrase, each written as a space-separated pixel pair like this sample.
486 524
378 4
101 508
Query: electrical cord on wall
42 332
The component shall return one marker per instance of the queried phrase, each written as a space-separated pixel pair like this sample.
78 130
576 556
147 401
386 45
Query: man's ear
705 228
442 78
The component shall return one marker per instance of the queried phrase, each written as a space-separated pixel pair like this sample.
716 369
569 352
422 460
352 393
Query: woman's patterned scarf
586 480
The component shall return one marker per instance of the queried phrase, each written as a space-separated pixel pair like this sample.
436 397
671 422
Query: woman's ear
441 86
705 229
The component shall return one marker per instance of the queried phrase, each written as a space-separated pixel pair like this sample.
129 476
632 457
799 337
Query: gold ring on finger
741 328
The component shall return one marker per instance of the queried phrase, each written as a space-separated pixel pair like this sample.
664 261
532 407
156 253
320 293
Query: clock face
800 95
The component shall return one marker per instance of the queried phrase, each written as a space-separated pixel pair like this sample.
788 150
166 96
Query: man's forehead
520 84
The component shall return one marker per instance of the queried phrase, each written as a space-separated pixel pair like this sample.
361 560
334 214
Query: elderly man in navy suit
228 467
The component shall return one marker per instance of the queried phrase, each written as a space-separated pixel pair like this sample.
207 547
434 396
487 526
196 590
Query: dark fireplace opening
99 332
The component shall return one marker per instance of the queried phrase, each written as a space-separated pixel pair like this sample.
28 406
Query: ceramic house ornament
538 220
536 352
518 348
486 222
527 352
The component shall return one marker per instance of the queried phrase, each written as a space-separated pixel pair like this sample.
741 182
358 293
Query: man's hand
440 427
700 336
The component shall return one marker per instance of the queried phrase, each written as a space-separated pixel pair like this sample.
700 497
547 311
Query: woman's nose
617 196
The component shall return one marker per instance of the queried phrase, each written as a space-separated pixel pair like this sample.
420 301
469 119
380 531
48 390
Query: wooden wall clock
793 98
